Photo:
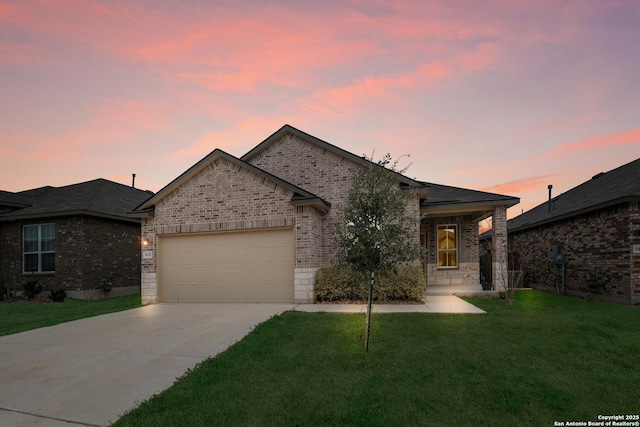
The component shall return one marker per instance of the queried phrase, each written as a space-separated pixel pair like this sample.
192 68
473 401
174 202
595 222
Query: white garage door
247 266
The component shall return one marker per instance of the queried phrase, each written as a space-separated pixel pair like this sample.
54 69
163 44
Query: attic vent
596 176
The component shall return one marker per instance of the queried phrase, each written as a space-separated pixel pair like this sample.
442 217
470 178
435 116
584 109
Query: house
258 227
586 241
74 237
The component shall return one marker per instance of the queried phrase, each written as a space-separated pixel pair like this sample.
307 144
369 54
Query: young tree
376 231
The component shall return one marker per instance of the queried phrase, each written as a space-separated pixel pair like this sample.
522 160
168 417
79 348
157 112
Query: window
39 246
447 246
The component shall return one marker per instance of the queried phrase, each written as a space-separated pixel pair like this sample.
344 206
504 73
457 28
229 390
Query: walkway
432 304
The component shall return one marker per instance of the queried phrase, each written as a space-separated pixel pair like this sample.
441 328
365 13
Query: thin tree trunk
369 306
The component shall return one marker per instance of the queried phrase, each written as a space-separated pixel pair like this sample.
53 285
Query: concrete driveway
90 371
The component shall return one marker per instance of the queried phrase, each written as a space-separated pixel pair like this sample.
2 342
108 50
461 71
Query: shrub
341 283
32 288
58 295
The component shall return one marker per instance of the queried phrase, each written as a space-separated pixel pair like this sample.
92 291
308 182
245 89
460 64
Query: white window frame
39 252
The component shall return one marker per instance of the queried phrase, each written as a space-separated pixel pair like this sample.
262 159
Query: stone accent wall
468 271
305 279
601 240
88 249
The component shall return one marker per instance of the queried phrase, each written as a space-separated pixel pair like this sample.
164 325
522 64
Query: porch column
500 261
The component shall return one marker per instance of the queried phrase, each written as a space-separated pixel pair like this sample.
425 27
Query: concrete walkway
432 304
90 371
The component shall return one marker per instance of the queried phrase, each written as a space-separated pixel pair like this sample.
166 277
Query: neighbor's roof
100 197
446 197
300 196
604 189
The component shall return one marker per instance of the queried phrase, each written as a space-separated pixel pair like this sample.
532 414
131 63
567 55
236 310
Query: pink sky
501 96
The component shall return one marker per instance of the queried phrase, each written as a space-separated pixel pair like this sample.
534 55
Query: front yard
21 315
546 358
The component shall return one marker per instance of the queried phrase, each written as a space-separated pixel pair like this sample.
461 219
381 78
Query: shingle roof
444 195
604 189
99 197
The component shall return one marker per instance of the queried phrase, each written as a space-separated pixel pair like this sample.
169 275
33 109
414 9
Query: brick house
258 227
72 237
585 242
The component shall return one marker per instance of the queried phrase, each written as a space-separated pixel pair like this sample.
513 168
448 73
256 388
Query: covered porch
449 231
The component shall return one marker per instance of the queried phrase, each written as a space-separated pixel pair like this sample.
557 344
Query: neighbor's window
447 246
39 246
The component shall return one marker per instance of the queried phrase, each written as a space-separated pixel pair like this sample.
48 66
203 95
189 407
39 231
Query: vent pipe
133 180
549 204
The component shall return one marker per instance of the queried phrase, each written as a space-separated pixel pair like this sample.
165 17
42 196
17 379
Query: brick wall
221 197
602 239
225 197
468 271
88 249
314 169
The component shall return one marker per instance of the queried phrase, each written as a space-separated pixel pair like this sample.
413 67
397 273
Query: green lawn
22 316
543 359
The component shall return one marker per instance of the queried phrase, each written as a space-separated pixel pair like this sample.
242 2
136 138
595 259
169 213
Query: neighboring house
258 228
73 237
586 240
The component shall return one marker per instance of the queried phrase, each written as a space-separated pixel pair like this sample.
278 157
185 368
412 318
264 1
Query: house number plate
147 254
636 249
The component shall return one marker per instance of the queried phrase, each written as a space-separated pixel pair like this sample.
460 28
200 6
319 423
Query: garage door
249 266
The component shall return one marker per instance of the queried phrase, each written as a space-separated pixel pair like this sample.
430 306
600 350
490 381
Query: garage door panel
230 267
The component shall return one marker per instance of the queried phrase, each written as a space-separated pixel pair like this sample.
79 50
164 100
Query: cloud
520 186
237 136
599 140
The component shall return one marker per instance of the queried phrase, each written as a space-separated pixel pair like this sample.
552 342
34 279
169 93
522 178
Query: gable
301 149
298 196
307 165
224 192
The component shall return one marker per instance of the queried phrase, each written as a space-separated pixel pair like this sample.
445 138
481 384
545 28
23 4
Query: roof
100 197
288 129
13 200
300 196
446 199
604 189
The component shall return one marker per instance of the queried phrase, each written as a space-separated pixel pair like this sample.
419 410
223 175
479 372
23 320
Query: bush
341 283
57 295
32 288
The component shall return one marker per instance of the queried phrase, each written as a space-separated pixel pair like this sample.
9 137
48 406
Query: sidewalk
432 304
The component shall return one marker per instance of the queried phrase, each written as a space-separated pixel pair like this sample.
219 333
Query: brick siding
315 169
601 239
88 249
468 271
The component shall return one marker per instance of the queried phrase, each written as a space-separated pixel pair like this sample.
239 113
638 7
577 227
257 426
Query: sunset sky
500 96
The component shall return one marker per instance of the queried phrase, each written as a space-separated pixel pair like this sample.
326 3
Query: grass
542 359
22 316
